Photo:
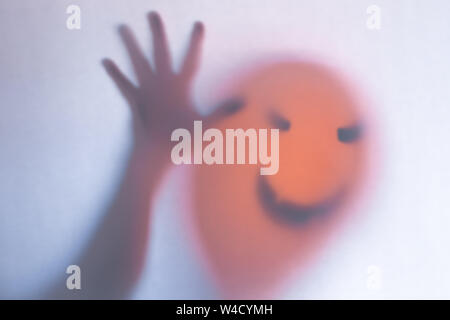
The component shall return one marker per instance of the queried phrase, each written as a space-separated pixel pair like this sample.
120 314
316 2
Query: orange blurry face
254 228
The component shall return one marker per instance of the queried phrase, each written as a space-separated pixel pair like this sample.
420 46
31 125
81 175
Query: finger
160 47
141 66
126 88
225 109
192 58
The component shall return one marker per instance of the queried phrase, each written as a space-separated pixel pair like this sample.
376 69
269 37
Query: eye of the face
280 122
349 134
232 105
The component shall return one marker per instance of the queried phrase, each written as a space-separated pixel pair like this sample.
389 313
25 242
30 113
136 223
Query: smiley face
255 229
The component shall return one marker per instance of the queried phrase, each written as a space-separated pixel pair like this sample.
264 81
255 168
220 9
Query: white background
64 132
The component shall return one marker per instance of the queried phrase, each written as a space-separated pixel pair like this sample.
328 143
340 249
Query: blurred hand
161 101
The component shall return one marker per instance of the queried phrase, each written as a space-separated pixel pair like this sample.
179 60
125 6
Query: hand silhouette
114 258
161 102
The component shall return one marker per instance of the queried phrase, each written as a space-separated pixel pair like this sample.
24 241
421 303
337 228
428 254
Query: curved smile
292 213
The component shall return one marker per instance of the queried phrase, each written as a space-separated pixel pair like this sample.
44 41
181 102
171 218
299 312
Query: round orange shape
251 246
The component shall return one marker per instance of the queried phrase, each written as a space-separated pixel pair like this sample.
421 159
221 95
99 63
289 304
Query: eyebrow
349 134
